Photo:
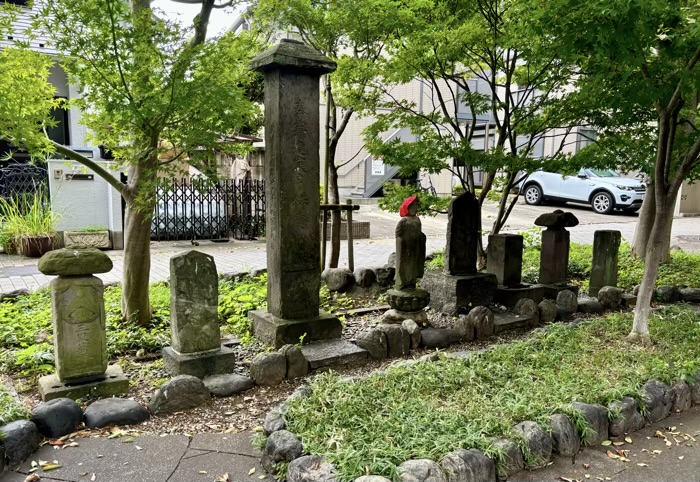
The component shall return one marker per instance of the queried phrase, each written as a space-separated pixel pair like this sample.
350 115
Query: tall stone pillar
606 247
292 72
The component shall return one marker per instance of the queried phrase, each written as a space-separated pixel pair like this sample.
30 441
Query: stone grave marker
292 72
78 314
194 322
554 258
460 287
606 247
505 260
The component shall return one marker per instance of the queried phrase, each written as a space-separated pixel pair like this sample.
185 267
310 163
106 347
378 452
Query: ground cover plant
426 410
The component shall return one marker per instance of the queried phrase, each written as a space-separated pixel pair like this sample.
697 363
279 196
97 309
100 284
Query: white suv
603 189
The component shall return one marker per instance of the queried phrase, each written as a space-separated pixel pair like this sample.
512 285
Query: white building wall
85 202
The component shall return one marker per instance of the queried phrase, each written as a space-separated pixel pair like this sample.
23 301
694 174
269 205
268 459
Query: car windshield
603 172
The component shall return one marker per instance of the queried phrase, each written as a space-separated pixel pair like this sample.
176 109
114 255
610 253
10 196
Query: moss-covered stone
75 262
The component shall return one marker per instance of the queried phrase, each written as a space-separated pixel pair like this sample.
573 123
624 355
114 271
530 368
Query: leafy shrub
236 299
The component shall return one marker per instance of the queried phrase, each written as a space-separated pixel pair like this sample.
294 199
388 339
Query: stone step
332 353
508 321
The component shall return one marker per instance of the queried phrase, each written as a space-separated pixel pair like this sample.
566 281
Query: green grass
425 411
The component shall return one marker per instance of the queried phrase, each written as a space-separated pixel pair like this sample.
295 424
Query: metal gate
203 209
16 180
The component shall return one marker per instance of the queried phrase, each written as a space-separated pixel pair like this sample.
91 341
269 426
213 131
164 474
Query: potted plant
39 226
93 236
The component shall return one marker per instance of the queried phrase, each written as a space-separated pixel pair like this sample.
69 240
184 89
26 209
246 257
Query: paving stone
333 352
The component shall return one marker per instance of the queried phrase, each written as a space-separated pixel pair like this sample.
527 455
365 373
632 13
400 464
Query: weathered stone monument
554 257
80 340
606 247
194 322
460 287
292 72
406 300
505 260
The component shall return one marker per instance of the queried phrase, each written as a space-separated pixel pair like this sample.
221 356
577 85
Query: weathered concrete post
292 72
606 246
80 340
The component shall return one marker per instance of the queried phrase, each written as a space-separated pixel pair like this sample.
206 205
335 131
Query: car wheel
533 194
603 203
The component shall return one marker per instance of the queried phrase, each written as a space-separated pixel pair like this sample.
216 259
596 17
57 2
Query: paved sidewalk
207 457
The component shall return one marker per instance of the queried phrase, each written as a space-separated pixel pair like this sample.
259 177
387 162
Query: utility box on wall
82 198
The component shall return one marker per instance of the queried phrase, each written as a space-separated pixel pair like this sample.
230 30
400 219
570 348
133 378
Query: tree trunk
654 255
136 306
334 198
644 224
140 203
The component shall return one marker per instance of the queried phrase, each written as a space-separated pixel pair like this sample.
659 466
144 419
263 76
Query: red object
404 206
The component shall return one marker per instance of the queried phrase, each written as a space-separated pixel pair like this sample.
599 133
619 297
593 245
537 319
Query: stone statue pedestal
200 365
278 332
457 294
80 339
554 258
112 383
407 304
510 295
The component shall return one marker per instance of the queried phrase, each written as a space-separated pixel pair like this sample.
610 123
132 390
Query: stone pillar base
112 384
455 294
551 291
279 332
510 295
199 365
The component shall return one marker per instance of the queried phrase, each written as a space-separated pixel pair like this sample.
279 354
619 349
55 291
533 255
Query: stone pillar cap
80 261
557 219
293 54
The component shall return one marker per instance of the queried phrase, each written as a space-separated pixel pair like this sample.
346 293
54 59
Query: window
59 133
22 3
585 137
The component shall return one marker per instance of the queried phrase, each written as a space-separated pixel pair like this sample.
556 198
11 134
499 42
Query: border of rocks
620 417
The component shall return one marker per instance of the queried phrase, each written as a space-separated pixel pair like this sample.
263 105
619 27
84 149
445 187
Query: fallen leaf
56 442
656 452
138 448
262 476
47 467
628 440
224 478
641 464
203 472
32 478
612 455
127 440
93 477
681 457
566 479
586 466
251 471
588 476
618 444
605 443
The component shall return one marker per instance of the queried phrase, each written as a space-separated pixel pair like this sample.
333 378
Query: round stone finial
80 261
557 219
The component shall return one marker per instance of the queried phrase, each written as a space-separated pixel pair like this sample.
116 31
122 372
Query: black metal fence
202 209
16 180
